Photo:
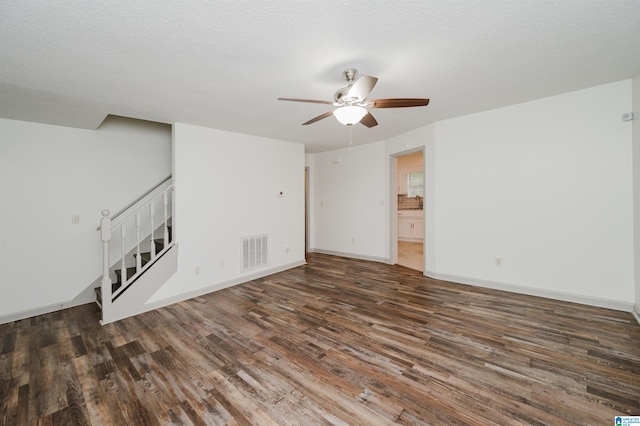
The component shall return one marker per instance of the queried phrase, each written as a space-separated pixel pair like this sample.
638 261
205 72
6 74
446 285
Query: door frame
393 205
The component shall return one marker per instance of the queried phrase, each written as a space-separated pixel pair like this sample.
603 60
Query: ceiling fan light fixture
350 114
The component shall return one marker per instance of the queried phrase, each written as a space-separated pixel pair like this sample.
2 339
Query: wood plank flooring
337 341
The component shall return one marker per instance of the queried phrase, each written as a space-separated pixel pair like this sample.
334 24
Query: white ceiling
223 64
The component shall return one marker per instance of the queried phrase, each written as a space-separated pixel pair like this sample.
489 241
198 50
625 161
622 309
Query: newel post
105 235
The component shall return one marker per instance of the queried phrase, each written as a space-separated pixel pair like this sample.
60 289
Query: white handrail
141 197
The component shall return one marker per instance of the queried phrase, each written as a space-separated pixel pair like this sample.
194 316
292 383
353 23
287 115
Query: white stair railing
140 220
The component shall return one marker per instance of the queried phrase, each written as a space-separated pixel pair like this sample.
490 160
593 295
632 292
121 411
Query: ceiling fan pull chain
350 126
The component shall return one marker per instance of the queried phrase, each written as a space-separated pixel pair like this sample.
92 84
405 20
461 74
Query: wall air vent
254 252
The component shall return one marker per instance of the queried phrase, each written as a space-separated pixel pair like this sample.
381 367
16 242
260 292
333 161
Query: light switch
75 219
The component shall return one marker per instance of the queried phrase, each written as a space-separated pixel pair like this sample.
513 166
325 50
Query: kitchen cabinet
410 225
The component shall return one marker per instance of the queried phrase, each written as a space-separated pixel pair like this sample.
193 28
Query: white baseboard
513 288
77 301
550 294
350 255
532 291
40 310
219 286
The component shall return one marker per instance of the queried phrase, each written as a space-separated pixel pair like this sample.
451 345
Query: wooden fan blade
398 103
311 101
368 120
362 87
318 118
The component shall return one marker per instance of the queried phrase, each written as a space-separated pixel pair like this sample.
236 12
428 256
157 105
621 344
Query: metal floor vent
254 251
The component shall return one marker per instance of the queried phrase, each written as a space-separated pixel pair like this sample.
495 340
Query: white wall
350 201
227 187
545 185
636 188
49 173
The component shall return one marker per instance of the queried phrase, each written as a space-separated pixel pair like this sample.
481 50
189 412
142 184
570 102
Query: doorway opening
410 184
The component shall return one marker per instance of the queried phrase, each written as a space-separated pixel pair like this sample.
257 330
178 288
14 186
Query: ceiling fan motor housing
339 97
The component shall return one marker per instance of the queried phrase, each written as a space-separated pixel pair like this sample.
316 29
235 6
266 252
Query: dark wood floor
337 341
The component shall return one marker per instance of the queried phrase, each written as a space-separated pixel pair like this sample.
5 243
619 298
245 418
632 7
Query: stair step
144 257
114 286
118 283
130 271
159 242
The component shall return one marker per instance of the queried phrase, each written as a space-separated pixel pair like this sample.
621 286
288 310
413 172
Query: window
415 184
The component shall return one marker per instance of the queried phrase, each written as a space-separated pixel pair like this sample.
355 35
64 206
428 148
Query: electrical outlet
353 241
197 270
498 261
222 265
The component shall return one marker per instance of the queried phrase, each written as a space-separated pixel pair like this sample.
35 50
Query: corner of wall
635 138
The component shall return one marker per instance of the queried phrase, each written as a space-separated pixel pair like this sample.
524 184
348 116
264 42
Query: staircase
140 235
145 258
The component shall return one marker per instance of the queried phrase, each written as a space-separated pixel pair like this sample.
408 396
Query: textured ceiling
223 64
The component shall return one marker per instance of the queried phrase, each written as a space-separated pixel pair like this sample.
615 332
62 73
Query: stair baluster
123 269
152 248
138 257
165 198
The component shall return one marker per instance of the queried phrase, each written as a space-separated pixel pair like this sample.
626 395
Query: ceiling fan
352 101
